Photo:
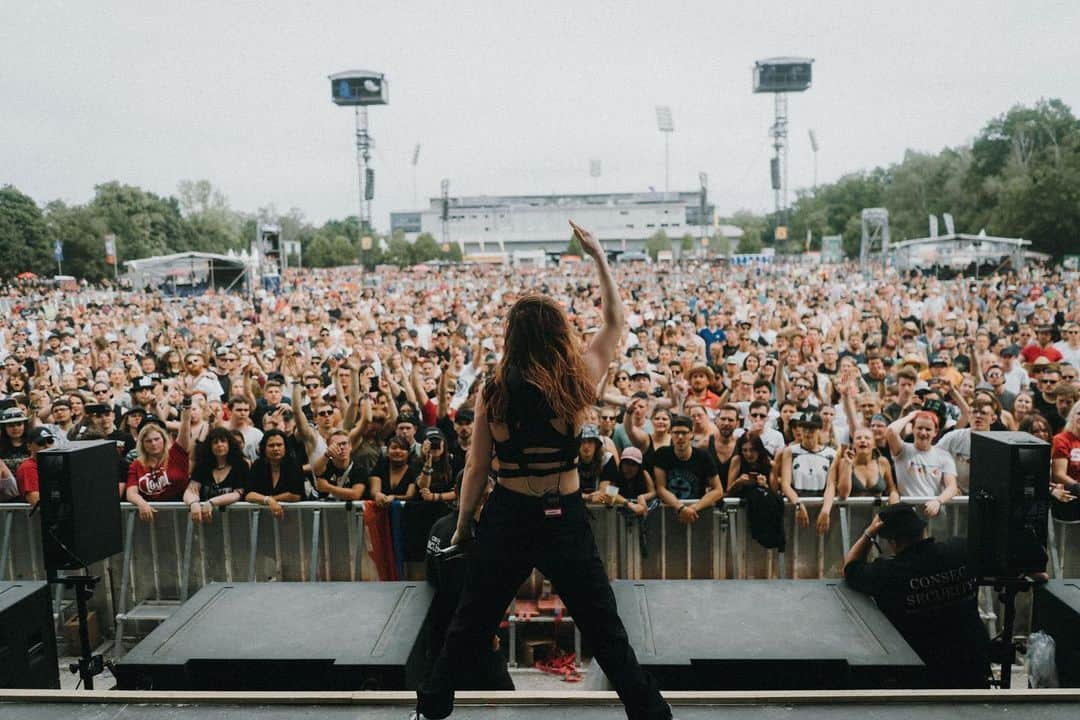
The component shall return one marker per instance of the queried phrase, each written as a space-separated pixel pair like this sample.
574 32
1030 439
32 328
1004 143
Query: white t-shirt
1068 354
958 444
810 470
773 440
922 474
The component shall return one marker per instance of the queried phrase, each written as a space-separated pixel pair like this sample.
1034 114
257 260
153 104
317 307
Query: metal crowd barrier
313 541
166 561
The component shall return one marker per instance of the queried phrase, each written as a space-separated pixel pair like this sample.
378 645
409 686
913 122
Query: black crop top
528 418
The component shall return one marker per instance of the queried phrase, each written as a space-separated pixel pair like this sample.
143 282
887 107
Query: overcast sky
504 97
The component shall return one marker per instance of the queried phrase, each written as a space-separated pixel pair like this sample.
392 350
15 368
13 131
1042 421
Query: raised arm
606 341
892 434
183 438
354 398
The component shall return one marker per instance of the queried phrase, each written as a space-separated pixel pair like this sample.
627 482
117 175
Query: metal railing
165 561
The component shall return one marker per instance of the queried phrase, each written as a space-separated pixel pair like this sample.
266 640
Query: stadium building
514 223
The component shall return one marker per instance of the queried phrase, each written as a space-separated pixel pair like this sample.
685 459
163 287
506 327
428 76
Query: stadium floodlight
664 122
780 76
360 89
666 125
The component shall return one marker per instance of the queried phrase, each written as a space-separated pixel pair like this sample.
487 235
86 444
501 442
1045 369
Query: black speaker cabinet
27 637
1056 611
80 507
1008 504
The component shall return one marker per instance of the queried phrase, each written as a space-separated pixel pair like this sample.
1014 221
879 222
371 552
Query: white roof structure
190 272
958 250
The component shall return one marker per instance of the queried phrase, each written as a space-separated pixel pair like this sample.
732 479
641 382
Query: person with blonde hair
159 471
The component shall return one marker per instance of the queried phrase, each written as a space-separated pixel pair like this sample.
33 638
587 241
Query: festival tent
189 273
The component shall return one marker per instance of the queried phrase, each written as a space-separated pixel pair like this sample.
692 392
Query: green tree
574 247
144 223
81 231
324 250
749 244
453 252
398 251
688 243
656 243
212 226
425 249
24 236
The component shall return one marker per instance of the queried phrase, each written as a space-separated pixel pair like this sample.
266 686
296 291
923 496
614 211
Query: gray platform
286 636
876 706
763 635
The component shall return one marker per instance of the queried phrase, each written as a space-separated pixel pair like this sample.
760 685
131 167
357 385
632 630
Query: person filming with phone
529 416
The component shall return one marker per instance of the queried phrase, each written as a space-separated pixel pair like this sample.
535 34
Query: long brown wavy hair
542 349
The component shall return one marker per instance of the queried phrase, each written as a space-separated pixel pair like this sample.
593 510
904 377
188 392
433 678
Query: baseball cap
900 520
590 432
40 435
12 415
631 454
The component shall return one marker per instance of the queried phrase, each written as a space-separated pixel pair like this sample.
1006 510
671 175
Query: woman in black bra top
528 416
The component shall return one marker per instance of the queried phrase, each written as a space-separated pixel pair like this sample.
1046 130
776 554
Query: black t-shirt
236 480
290 480
382 471
591 478
926 592
686 479
347 477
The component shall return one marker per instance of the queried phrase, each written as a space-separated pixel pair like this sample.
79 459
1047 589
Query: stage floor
849 705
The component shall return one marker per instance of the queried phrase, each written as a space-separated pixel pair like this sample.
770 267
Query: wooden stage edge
579 699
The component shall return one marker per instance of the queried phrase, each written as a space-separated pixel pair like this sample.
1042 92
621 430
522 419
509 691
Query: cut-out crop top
534 445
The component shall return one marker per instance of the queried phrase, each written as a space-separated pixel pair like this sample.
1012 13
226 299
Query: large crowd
785 380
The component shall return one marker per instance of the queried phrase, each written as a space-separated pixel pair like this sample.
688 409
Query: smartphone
374 387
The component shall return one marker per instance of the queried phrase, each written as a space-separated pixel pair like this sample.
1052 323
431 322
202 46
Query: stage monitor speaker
1008 504
27 637
80 507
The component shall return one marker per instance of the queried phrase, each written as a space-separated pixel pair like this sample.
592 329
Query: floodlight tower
779 76
415 159
814 147
665 125
360 89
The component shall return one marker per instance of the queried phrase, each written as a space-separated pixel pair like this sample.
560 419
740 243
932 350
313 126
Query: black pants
514 537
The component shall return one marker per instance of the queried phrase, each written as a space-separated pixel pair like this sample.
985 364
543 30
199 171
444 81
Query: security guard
446 572
927 594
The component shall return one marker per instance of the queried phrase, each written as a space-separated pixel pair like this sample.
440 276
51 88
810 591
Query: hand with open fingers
588 241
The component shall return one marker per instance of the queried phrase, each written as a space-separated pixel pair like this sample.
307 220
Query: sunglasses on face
759 415
325 413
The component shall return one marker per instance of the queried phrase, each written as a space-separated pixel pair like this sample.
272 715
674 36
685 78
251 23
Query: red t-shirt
1033 351
160 484
27 476
1066 445
430 412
